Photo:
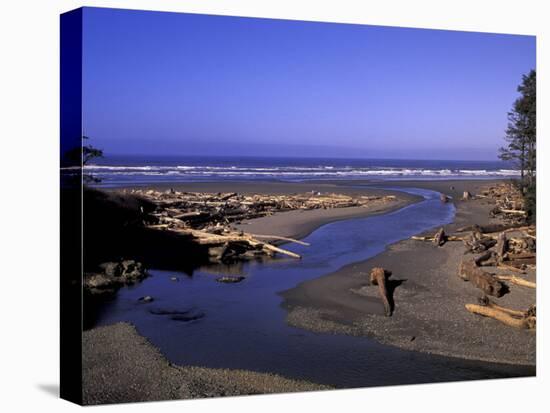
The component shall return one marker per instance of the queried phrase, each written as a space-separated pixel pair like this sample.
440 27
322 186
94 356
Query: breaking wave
205 172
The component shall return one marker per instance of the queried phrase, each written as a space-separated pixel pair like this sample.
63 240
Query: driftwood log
486 259
510 268
431 239
502 246
469 271
378 276
206 238
478 243
533 237
513 211
521 256
525 321
277 237
516 280
440 238
488 228
487 302
521 263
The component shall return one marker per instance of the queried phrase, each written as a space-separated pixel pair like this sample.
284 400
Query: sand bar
429 297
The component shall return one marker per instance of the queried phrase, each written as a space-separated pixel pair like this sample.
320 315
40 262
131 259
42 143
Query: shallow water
243 325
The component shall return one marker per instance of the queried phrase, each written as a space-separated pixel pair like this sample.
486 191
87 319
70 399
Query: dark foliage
114 229
521 138
82 156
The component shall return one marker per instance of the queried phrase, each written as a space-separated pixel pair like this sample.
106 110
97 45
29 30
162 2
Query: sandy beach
120 366
429 297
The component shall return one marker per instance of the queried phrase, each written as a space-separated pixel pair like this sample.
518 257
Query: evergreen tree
89 152
521 137
82 156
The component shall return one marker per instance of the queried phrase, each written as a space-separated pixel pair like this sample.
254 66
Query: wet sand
429 297
120 366
299 224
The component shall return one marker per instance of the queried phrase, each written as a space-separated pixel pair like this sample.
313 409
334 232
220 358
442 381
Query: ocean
140 170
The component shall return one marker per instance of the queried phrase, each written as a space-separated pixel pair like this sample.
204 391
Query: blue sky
183 84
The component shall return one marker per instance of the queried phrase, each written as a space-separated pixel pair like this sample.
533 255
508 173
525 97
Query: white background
29 240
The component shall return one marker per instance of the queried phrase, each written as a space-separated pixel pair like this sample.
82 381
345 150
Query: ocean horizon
141 170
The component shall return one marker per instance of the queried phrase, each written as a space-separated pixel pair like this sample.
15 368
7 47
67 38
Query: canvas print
254 206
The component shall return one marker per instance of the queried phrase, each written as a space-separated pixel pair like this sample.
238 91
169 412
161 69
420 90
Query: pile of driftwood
507 246
514 318
489 250
208 218
509 203
203 210
497 255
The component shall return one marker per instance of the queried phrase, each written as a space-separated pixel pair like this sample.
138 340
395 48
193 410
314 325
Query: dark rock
129 265
113 275
111 269
129 270
97 283
132 271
